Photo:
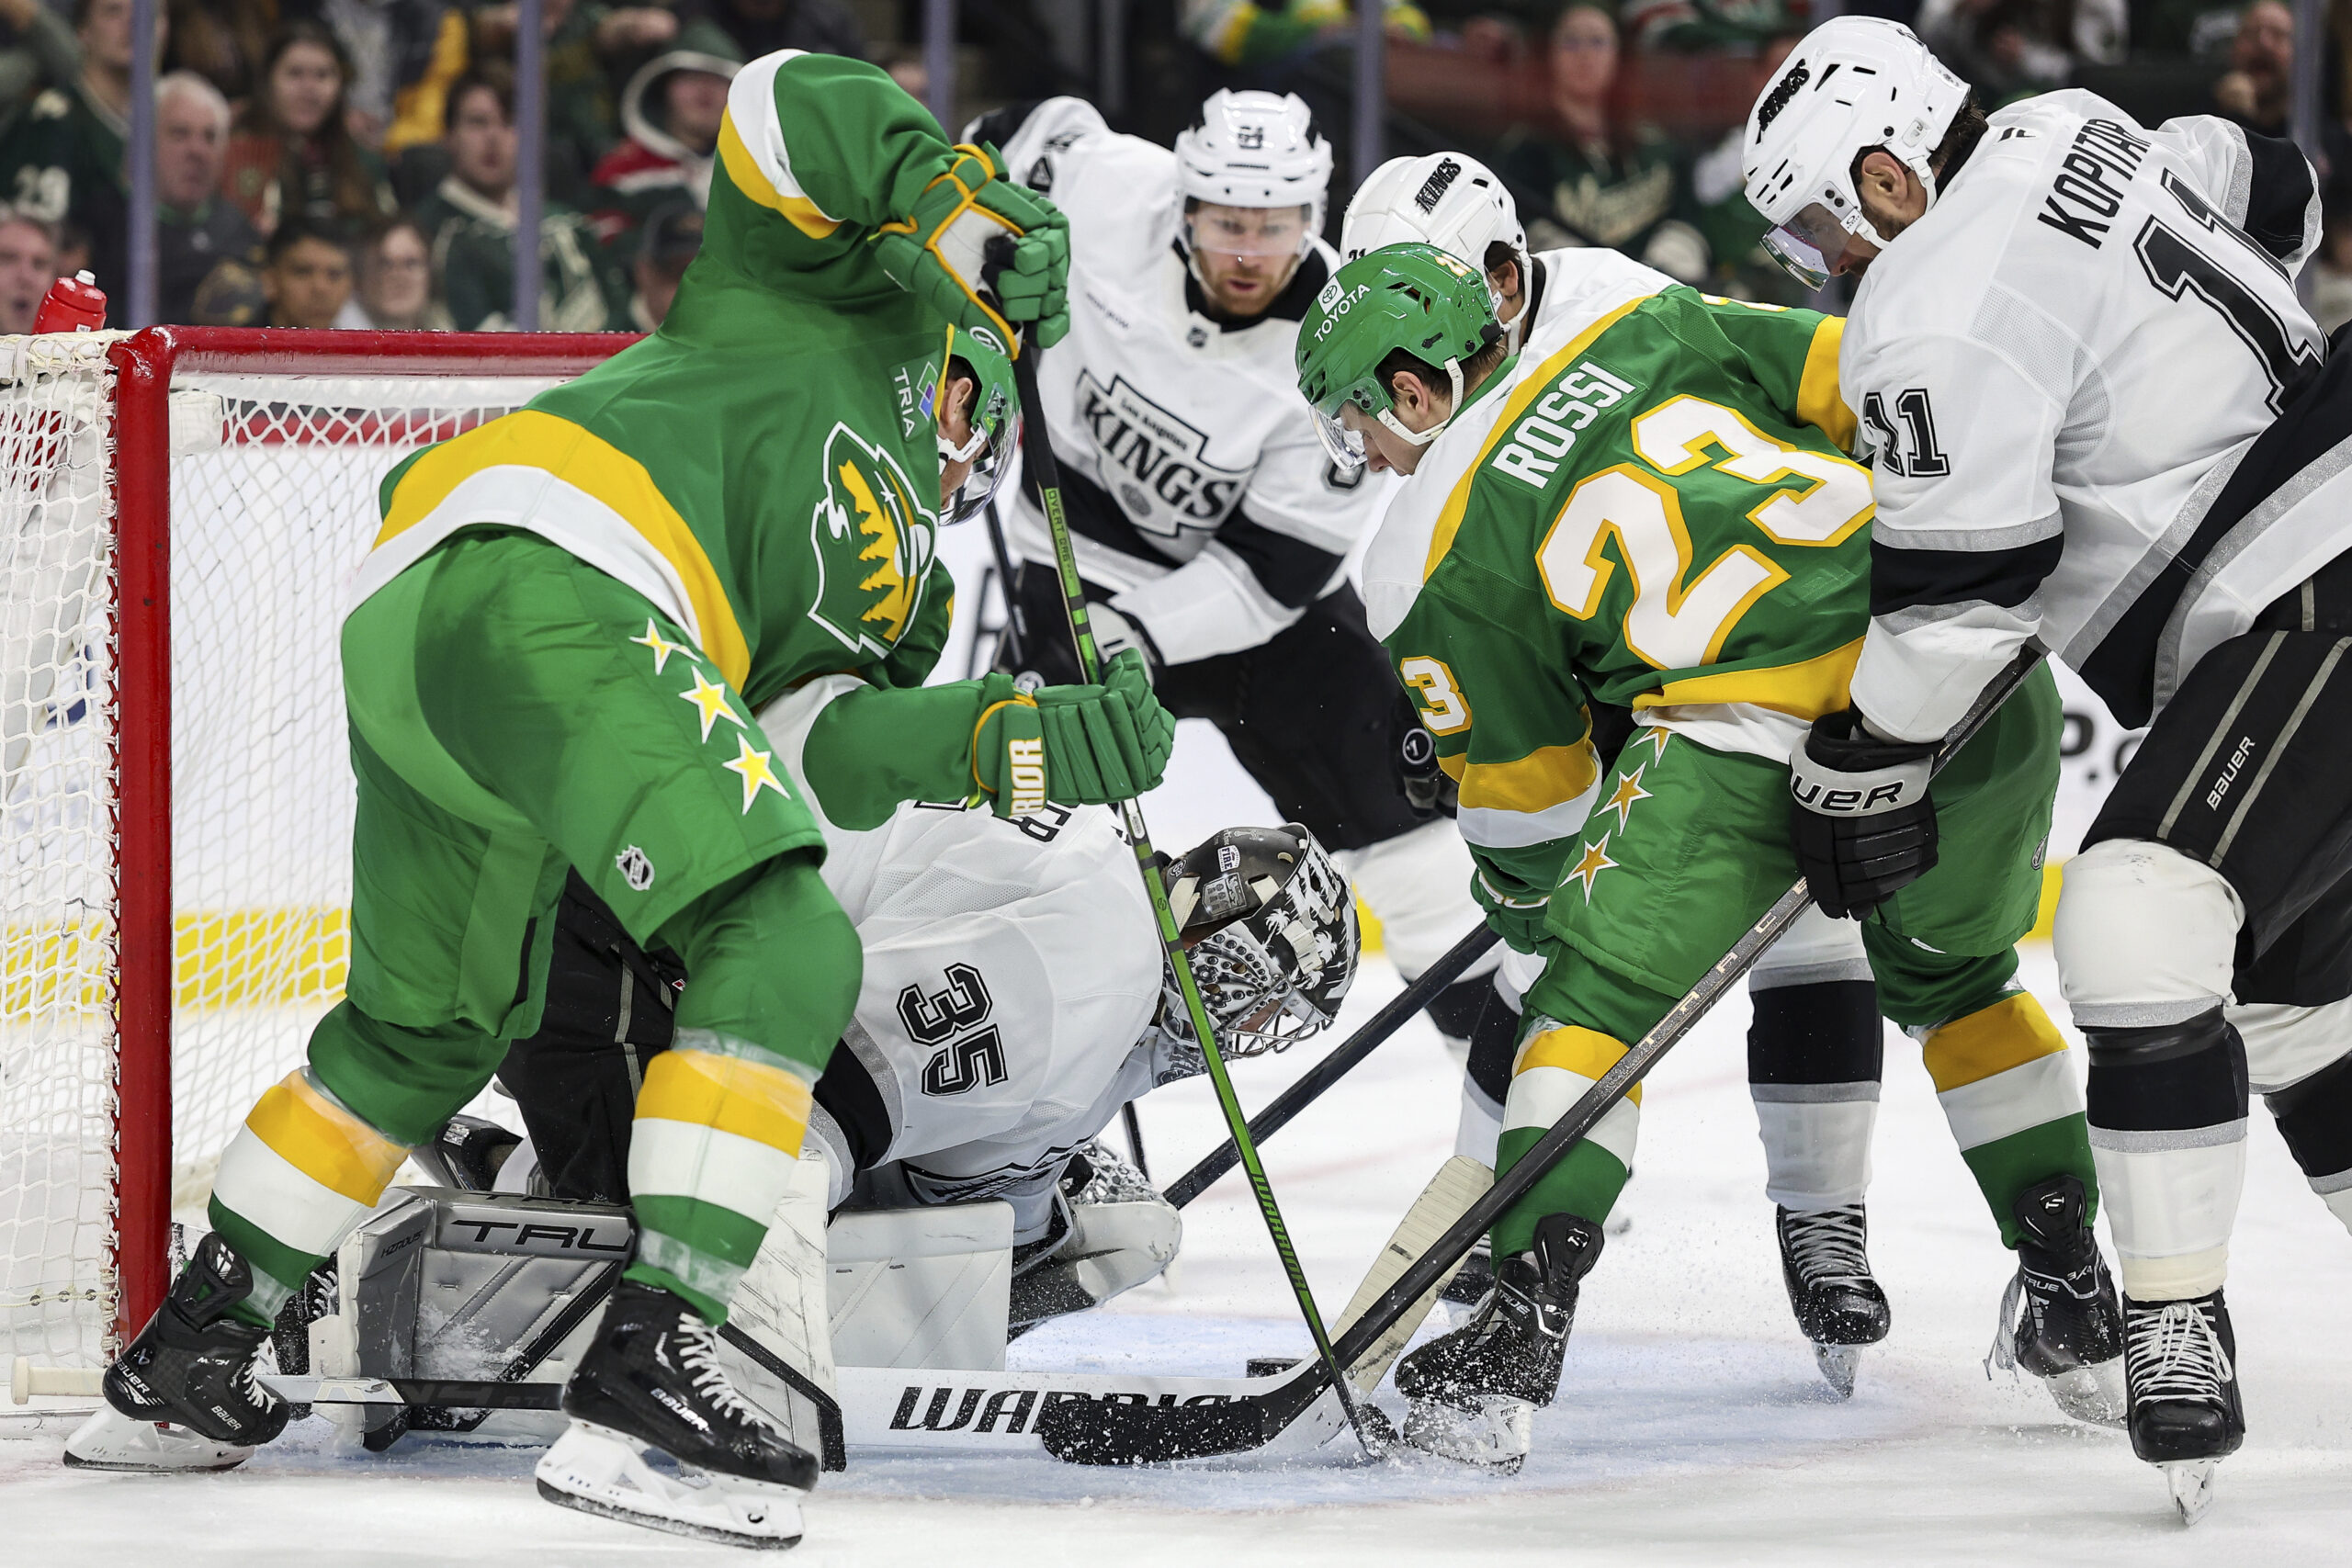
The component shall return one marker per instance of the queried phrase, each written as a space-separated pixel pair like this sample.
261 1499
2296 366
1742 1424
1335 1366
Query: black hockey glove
1860 817
1429 790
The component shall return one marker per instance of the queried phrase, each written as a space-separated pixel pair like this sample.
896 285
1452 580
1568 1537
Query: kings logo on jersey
1153 461
874 540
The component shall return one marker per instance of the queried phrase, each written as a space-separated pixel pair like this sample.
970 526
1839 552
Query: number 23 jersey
2058 366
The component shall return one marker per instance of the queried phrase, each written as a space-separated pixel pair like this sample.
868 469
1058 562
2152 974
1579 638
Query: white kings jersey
1012 972
1195 486
2058 368
1569 282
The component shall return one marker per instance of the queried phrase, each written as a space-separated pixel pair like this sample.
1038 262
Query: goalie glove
936 252
1071 745
1861 819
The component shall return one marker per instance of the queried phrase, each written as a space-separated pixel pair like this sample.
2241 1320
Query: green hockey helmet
1415 297
995 415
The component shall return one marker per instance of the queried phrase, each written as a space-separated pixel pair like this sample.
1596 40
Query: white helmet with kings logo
1447 200
1256 149
1855 83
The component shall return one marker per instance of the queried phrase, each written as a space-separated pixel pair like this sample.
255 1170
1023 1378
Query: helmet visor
1345 447
1816 245
1255 234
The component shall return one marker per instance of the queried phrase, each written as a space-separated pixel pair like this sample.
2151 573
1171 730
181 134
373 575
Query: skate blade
111 1440
1497 1435
2094 1394
601 1472
2191 1482
1838 1365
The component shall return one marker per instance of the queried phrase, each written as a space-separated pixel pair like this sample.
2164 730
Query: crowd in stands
352 162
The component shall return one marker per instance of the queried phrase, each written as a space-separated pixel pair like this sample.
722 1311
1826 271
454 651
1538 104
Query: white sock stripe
684 1159
1816 1155
271 1193
2219 1136
2026 1095
1541 1096
2172 1203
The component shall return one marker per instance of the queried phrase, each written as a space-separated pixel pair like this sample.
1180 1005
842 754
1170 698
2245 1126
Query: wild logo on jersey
1153 461
874 542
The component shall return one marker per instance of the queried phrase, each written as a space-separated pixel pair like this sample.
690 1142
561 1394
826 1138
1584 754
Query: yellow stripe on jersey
529 438
1531 388
324 1140
1546 777
751 1100
2011 1032
1821 401
1819 686
744 171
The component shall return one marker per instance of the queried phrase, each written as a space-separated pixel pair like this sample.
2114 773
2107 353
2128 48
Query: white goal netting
273 478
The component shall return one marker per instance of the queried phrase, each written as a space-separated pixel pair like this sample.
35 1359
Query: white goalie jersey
2059 366
1194 483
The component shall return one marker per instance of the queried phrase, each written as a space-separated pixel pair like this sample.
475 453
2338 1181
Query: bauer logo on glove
1861 819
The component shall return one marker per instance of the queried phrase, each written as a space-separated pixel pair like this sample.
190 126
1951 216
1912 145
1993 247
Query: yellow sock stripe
324 1140
2011 1032
1588 1052
750 1100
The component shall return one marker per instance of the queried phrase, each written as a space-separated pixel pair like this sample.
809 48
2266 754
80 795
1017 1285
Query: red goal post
181 511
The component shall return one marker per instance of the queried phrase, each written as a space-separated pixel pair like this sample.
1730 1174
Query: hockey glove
1860 816
1429 790
1071 745
936 252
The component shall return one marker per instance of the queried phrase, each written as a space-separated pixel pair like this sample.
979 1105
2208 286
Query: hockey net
181 514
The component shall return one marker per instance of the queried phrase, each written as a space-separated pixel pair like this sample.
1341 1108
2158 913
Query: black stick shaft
1336 1065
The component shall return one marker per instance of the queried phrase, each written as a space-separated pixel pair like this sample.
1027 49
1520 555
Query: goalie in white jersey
1210 525
2102 420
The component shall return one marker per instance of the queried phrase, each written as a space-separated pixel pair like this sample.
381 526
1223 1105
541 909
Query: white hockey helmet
1447 200
1257 149
1855 83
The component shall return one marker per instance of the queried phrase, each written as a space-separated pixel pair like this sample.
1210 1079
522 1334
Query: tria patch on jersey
1542 438
1154 461
2089 188
873 539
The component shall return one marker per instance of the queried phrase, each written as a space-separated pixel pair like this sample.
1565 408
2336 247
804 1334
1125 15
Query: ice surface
1692 1427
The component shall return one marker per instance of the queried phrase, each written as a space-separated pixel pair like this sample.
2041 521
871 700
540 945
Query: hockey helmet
1855 83
1447 200
995 416
1254 149
1270 926
1411 296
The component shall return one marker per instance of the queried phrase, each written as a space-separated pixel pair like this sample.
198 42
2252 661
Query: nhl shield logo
634 868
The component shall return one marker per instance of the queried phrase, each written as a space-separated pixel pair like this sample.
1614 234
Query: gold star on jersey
757 769
709 699
1590 866
1629 790
661 647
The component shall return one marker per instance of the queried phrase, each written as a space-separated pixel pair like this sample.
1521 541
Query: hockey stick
1106 1434
1037 452
1338 1064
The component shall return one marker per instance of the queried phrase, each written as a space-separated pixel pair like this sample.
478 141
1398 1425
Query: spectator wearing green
472 218
62 162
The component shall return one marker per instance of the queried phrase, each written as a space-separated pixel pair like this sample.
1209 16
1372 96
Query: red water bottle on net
74 304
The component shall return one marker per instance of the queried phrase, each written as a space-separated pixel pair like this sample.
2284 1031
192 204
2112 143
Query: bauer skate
651 1382
2182 1360
1838 1307
183 1396
2059 1316
1475 1392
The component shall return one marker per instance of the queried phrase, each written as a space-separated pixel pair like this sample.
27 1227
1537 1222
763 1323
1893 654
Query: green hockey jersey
1652 507
763 468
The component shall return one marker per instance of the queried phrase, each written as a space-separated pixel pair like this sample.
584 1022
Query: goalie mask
1270 929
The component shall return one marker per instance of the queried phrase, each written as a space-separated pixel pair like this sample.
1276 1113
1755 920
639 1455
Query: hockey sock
1555 1067
719 1120
1485 1083
1815 1053
301 1171
2168 1109
2316 1118
2008 1093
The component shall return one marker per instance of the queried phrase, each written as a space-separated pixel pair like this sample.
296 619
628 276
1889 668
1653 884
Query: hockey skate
1475 1392
1838 1307
466 1154
183 1396
1112 1231
650 1389
2186 1418
2059 1317
1474 1281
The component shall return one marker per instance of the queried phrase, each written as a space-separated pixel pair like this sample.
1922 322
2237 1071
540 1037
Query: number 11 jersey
2058 368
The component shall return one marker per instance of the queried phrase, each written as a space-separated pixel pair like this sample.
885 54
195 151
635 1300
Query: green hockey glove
1071 745
936 252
